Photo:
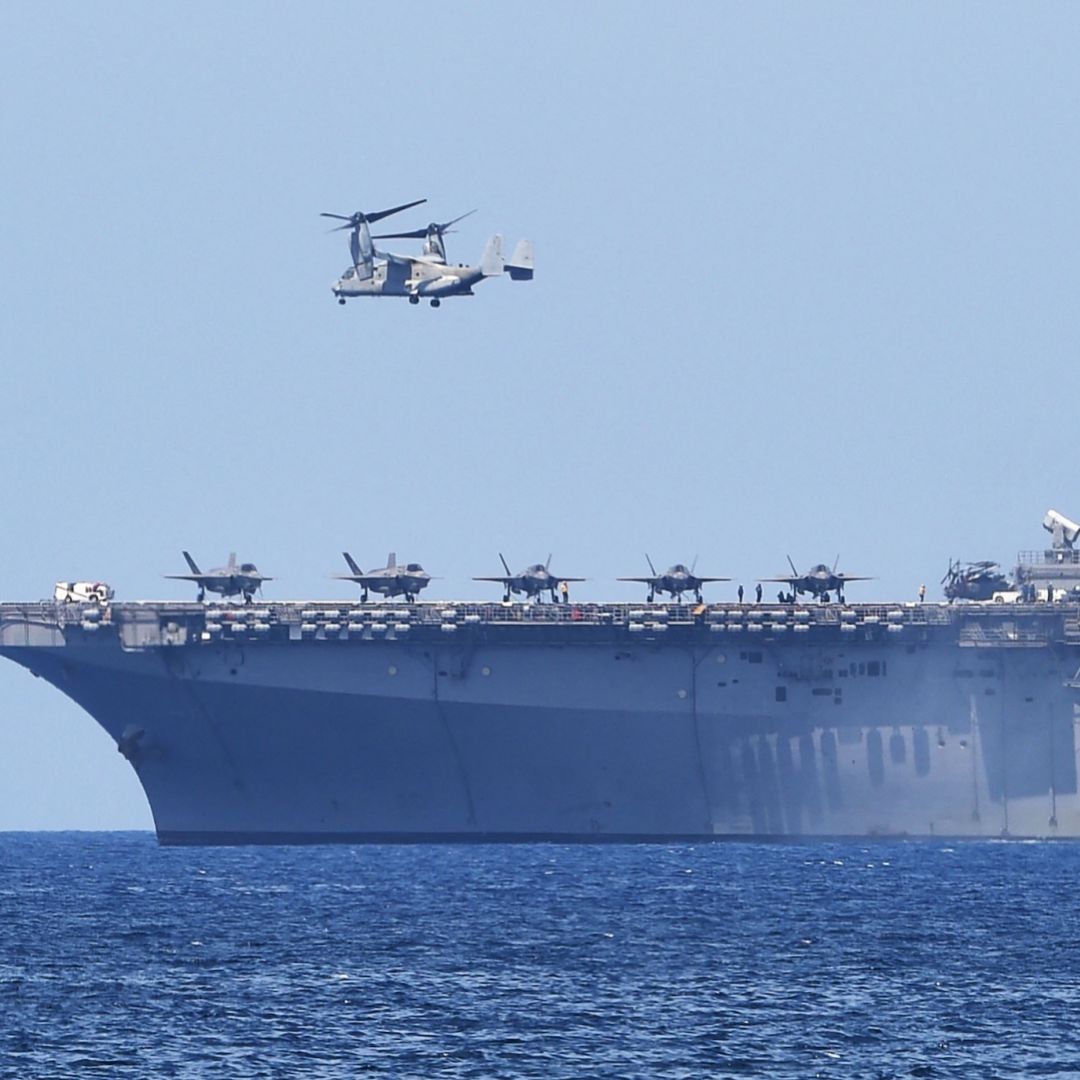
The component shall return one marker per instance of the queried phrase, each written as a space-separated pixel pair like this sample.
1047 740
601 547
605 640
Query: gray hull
952 722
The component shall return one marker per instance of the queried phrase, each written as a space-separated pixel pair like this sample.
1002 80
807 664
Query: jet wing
705 580
500 580
853 577
570 578
367 580
781 580
645 580
190 577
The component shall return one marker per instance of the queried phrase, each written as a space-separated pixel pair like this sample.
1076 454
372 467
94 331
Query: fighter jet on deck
232 580
389 581
818 581
533 581
675 581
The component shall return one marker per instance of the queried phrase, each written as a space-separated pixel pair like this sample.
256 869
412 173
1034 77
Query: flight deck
148 624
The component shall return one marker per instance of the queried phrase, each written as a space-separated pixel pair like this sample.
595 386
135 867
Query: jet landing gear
435 301
414 299
341 299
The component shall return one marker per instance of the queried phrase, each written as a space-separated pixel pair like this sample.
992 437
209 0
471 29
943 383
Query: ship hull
598 738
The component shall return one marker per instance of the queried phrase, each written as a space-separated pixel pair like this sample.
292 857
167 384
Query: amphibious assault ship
316 722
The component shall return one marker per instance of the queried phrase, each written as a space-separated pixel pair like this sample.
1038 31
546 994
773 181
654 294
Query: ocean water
823 959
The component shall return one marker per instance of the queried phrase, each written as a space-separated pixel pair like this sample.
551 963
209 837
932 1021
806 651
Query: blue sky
807 282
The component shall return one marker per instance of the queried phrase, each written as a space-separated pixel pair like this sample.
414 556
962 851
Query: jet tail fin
521 264
491 262
352 564
391 561
191 563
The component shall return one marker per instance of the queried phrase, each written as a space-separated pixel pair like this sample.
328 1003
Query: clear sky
807 283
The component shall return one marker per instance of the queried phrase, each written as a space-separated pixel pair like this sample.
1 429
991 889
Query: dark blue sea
886 959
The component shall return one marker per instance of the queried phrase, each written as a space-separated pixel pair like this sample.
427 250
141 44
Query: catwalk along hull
311 724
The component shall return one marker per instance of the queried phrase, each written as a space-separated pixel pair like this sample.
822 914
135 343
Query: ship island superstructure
296 722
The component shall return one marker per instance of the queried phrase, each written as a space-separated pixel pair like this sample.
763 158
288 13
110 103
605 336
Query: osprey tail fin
491 262
521 264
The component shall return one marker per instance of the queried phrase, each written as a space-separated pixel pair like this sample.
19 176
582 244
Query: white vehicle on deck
82 592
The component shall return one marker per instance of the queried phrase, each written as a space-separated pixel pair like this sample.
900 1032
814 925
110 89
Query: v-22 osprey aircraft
429 275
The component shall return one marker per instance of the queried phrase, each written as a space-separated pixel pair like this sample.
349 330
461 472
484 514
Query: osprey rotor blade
416 234
380 214
420 234
454 221
353 220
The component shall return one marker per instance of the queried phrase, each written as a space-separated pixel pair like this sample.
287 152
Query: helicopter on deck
974 580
